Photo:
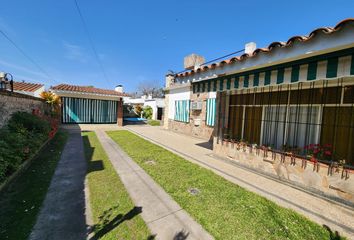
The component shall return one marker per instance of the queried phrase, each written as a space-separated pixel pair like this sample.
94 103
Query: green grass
113 212
224 209
21 201
153 122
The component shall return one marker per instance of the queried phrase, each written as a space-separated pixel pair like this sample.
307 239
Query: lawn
114 214
154 122
224 209
21 201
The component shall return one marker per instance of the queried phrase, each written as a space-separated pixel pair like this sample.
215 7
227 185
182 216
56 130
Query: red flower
328 153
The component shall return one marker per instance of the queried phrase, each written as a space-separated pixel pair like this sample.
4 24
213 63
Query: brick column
120 113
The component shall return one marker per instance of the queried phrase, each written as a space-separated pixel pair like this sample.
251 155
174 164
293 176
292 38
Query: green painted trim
237 82
267 77
293 64
215 85
352 66
209 86
198 87
295 72
228 84
194 88
203 86
332 67
280 76
312 71
256 80
246 81
221 84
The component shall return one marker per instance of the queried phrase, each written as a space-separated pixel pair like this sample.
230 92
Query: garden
248 215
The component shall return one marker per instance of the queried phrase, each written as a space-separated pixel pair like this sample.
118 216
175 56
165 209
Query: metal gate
82 110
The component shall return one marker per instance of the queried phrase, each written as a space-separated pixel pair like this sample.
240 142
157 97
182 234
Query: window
302 127
274 126
210 112
182 110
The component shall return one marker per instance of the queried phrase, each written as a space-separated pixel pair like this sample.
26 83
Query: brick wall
16 102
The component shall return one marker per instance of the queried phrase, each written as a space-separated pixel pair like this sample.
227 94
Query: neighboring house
289 98
84 104
157 104
32 89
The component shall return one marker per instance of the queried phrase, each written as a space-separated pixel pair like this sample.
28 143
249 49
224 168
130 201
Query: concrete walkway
337 216
62 215
162 214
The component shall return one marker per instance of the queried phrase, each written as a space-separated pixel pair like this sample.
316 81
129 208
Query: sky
139 41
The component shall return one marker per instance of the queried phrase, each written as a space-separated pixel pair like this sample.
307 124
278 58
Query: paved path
163 215
336 216
62 215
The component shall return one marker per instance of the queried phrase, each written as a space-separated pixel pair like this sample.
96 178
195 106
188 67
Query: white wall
153 105
182 93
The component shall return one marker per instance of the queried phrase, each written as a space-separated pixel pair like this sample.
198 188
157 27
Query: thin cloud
5 64
75 52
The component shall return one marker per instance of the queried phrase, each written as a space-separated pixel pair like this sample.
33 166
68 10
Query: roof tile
86 89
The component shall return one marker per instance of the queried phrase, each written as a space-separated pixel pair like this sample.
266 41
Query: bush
147 112
19 140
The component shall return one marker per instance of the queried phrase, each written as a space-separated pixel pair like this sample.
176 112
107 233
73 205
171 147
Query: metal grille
296 117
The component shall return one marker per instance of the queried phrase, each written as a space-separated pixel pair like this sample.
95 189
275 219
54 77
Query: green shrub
147 112
19 140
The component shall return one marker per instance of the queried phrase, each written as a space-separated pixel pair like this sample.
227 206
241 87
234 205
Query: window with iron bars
301 118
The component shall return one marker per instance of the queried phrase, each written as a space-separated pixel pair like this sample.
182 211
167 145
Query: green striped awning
182 110
82 110
315 68
210 111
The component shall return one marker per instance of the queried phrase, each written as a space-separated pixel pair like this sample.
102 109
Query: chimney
119 88
193 61
250 47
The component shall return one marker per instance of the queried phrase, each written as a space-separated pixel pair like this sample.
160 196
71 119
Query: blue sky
140 40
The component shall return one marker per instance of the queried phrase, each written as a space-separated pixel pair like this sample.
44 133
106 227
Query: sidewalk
165 218
62 215
337 216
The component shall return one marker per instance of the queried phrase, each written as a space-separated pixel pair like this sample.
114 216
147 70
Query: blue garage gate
83 110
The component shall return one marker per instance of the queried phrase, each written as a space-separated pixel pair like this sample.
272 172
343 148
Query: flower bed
21 138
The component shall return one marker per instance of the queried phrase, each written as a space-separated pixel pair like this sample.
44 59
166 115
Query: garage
86 104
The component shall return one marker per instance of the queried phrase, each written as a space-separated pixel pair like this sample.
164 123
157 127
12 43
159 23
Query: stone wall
16 102
197 126
332 181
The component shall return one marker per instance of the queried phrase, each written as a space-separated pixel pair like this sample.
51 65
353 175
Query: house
275 108
32 89
87 104
157 104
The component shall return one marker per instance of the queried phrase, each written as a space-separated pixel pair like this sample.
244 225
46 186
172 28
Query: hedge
20 139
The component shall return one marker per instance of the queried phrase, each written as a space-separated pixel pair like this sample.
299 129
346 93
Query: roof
86 89
27 87
273 45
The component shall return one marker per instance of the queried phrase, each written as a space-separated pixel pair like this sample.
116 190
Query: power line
216 59
27 56
91 42
228 55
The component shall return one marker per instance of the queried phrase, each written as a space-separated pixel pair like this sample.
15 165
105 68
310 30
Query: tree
150 87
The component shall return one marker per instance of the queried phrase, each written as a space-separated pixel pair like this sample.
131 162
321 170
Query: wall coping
20 95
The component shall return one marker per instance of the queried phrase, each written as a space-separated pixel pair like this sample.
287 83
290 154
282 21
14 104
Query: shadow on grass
93 166
333 235
106 225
